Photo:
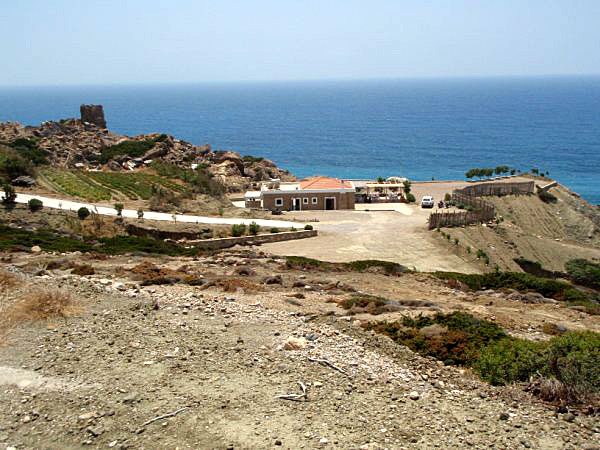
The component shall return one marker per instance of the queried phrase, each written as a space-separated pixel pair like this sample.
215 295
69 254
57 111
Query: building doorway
296 204
329 203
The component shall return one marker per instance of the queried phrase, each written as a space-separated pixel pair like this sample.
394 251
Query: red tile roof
325 183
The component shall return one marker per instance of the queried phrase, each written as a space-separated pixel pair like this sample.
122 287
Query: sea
421 129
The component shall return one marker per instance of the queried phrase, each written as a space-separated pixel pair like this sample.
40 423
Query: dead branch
174 413
296 397
324 362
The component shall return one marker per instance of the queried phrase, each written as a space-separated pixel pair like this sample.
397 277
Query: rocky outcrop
79 144
93 114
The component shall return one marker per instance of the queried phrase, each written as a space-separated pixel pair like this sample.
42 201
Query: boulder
433 330
24 181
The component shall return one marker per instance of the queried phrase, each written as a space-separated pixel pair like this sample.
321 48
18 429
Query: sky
68 42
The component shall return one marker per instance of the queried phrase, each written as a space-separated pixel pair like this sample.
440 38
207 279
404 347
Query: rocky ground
178 366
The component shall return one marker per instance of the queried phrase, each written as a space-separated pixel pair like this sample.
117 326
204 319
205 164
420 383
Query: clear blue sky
51 42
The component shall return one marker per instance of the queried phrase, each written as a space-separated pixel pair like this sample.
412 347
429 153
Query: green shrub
461 339
410 198
447 197
251 159
509 360
253 228
35 204
9 196
83 213
140 214
274 230
238 230
301 262
584 272
133 149
308 227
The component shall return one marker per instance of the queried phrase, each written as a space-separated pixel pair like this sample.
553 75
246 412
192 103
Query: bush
568 364
163 200
83 213
274 230
584 272
238 230
410 198
119 207
254 228
140 214
9 196
447 197
308 227
13 165
35 204
547 197
509 360
133 149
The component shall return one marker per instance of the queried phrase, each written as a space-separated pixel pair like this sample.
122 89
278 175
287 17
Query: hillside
550 233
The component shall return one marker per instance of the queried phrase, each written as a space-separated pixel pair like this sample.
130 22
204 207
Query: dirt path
400 237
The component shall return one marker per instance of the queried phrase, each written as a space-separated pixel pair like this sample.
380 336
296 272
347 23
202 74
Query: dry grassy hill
550 233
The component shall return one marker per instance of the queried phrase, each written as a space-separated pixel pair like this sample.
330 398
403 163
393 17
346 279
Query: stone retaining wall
215 244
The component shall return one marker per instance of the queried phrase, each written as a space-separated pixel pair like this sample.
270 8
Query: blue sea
421 129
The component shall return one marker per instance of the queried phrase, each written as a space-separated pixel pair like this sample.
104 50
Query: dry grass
7 280
233 284
43 304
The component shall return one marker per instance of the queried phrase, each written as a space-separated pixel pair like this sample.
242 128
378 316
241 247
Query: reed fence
489 189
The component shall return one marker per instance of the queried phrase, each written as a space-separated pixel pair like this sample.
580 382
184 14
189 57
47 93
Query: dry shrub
37 305
42 305
556 391
83 269
7 280
233 284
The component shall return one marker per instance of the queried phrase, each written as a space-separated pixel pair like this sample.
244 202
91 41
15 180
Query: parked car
427 202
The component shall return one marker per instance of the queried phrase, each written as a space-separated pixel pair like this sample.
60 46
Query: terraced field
98 186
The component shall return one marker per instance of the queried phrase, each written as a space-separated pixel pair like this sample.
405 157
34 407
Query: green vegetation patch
133 149
584 272
13 239
76 184
568 362
524 282
387 267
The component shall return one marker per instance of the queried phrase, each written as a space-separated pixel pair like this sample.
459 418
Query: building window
278 202
305 200
314 200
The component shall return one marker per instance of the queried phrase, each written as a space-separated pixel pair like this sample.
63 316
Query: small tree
513 171
274 230
410 198
407 187
35 204
308 227
447 197
380 180
140 214
9 196
535 171
83 213
119 208
254 228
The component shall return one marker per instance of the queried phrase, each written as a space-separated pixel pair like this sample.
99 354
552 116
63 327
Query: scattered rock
293 343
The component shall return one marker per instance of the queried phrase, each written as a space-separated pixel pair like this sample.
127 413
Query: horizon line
307 80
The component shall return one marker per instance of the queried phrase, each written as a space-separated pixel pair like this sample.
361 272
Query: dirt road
396 236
